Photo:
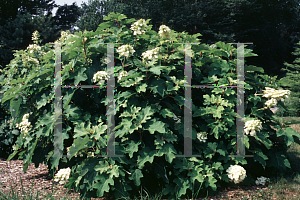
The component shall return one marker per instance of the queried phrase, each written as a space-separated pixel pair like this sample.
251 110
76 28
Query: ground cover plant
149 100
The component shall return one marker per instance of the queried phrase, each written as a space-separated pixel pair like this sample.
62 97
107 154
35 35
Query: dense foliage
272 26
292 82
149 95
18 19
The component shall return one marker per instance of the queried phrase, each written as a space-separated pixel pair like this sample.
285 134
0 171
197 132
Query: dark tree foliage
272 26
292 82
10 8
188 16
92 13
66 16
16 34
16 31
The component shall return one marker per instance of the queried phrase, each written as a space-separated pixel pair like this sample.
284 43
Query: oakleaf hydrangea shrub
149 113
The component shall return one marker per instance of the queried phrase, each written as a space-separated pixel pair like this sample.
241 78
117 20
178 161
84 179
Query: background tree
92 12
10 8
292 82
66 16
16 34
16 31
272 26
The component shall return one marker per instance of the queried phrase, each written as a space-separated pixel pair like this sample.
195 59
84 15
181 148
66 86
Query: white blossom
33 48
252 126
271 102
150 54
24 125
202 137
276 94
125 50
100 75
35 36
164 31
262 180
64 36
28 59
181 82
236 173
62 175
122 74
139 27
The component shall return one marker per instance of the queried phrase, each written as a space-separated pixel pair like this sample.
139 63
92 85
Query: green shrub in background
149 94
292 82
290 109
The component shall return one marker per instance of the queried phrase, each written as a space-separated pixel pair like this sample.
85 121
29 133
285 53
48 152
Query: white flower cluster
150 54
102 75
261 181
33 48
181 82
164 31
122 74
35 36
139 27
125 50
24 125
252 126
271 102
275 95
202 137
64 36
236 173
28 59
62 175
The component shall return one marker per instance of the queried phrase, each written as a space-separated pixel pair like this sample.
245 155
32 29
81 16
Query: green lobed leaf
28 160
288 133
169 151
103 185
132 147
136 176
278 160
182 185
145 156
154 125
261 158
78 144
